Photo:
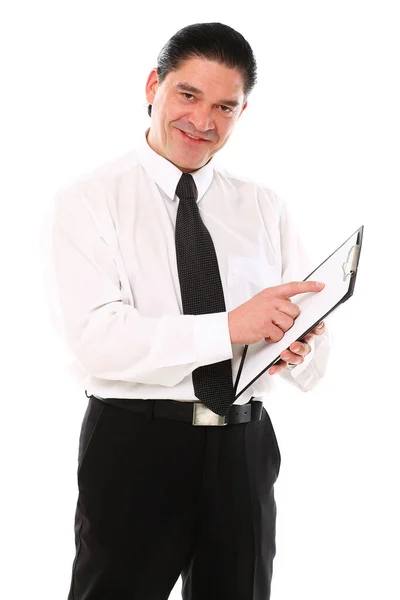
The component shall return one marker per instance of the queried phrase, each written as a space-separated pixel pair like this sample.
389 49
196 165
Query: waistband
194 412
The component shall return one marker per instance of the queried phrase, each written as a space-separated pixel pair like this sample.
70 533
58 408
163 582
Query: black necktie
201 291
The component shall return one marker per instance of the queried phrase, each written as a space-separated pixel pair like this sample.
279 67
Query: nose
202 120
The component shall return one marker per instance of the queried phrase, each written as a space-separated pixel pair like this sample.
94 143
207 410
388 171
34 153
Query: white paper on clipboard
338 272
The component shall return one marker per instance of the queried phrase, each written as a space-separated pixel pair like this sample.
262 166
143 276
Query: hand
269 314
297 351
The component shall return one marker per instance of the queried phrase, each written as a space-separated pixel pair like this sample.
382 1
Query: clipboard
339 273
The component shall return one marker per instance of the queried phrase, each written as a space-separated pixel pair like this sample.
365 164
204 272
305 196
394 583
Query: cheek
223 136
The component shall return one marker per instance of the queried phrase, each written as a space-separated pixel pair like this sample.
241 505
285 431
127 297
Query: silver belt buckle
202 415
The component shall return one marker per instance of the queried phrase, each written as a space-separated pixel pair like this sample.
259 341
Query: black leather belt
192 412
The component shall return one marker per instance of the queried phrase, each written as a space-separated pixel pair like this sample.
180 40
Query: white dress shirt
112 282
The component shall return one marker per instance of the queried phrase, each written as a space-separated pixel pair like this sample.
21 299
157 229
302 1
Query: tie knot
186 187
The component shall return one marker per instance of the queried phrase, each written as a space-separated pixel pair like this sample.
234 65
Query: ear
151 85
243 108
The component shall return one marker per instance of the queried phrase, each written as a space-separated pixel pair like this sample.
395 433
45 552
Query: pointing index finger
299 287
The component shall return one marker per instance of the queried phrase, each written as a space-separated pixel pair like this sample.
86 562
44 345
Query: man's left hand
297 351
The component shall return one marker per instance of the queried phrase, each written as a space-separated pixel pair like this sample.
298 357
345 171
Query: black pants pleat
159 498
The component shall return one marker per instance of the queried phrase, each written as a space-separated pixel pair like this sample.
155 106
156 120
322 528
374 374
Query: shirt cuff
307 374
213 338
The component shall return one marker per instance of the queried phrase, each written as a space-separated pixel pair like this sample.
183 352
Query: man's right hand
269 314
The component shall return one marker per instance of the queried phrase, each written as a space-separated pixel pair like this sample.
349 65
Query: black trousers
159 498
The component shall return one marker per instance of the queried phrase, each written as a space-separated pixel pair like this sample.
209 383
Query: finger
292 357
279 366
300 348
319 329
282 320
308 338
297 287
288 307
274 333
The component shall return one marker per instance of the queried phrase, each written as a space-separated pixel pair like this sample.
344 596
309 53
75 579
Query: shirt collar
167 175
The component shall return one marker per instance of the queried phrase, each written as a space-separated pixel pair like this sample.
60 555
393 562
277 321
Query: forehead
208 78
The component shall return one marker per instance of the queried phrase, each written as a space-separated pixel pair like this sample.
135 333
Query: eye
225 110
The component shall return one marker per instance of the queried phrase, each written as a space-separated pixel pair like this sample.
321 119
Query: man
165 266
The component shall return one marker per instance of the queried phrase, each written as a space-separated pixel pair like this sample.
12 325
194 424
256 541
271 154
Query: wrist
232 329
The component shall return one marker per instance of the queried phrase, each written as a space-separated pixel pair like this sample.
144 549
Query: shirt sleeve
296 265
105 333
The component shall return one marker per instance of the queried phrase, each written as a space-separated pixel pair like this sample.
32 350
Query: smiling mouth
193 136
188 136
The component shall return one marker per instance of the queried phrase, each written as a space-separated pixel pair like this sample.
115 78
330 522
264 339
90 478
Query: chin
182 161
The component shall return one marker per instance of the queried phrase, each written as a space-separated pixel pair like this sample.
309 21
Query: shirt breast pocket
247 276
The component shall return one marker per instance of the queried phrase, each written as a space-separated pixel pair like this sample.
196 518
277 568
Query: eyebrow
185 87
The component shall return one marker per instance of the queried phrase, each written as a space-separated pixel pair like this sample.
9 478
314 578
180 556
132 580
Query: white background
322 129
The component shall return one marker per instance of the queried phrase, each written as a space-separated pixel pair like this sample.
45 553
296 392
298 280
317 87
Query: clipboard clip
350 266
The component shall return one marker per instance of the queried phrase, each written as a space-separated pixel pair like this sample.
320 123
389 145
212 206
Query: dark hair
212 41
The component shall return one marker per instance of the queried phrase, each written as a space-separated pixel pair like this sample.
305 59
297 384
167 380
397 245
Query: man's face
203 98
